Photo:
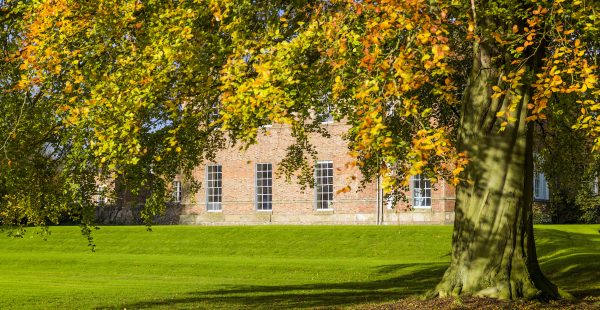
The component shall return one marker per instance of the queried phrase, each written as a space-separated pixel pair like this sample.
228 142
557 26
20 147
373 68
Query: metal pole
377 200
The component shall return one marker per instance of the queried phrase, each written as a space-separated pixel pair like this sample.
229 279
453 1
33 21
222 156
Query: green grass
258 266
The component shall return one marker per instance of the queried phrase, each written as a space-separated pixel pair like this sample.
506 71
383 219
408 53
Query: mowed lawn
179 267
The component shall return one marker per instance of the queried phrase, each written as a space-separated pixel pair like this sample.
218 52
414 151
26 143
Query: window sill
324 211
421 208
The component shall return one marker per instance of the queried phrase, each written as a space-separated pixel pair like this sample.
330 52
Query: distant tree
570 166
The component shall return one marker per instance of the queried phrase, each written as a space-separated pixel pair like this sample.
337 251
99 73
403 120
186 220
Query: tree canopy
396 70
95 92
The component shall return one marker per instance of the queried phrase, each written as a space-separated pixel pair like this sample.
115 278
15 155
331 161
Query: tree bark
493 249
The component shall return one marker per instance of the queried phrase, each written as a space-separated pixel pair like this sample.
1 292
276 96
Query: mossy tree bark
494 251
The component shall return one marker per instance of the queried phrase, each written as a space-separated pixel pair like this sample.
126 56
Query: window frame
177 191
214 115
101 198
211 205
327 116
427 189
318 192
544 195
259 194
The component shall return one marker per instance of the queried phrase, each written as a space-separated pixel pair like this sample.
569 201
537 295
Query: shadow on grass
418 279
571 260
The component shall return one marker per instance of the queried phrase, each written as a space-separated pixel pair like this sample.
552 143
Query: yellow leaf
457 170
346 189
68 87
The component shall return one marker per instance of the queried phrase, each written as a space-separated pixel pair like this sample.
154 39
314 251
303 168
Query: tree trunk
493 249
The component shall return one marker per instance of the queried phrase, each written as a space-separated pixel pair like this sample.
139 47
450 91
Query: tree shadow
571 260
417 279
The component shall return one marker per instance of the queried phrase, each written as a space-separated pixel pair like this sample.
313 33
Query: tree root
503 290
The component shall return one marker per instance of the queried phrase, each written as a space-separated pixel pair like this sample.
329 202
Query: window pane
213 187
177 192
263 185
323 184
421 191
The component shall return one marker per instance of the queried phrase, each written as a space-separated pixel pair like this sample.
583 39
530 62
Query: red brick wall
290 204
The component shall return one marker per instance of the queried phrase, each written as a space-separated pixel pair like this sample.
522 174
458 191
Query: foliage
124 94
588 204
27 132
395 71
113 93
127 90
570 166
372 65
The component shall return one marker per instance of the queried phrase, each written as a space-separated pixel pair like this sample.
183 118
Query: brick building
240 187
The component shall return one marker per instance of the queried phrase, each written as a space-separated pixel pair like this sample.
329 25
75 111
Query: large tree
427 86
128 91
111 93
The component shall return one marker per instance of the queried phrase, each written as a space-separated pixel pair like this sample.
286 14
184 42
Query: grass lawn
257 266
